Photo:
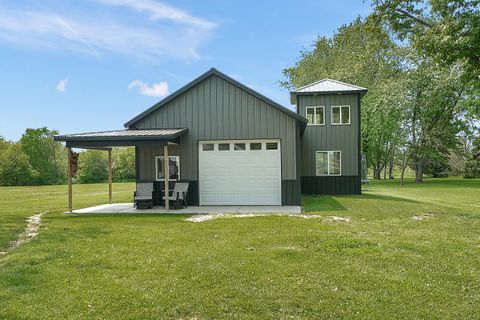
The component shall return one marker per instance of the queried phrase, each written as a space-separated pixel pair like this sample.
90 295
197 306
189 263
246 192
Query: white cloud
159 89
97 34
62 85
161 11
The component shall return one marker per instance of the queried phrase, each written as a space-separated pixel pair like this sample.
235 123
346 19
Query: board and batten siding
330 137
215 109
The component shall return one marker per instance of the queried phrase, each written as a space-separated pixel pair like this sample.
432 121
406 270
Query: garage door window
224 146
174 168
207 147
272 146
239 146
256 146
328 163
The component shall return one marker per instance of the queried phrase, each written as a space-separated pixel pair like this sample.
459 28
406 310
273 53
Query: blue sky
91 65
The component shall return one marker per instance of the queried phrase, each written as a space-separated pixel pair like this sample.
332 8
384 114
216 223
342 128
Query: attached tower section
330 146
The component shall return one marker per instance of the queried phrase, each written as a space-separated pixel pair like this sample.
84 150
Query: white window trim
156 167
315 115
328 163
341 124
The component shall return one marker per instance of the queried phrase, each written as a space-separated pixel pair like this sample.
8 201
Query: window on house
341 115
207 147
174 167
255 146
328 163
316 115
224 146
272 146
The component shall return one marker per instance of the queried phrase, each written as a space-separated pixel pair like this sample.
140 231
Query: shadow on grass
369 196
321 203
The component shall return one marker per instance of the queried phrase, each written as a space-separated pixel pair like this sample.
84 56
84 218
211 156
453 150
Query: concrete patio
128 208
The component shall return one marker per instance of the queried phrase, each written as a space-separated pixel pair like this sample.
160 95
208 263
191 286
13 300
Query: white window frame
340 123
177 158
328 163
315 115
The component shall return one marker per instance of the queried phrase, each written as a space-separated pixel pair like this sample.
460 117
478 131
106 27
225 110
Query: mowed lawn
408 252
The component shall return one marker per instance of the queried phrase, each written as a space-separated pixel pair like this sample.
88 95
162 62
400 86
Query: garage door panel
237 177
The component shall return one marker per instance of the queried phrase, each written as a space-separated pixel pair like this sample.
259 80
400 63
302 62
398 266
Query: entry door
240 172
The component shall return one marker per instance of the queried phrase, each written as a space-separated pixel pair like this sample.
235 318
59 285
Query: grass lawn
384 264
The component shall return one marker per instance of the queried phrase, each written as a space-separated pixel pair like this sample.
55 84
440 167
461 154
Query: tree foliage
46 156
15 168
92 166
123 164
448 31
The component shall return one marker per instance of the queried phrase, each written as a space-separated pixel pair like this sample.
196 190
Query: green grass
382 265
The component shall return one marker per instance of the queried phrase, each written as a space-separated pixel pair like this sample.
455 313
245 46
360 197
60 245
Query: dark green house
237 147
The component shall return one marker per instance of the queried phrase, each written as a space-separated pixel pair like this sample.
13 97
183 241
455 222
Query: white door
240 172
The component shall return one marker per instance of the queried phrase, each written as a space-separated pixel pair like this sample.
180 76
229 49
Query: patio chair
143 196
179 195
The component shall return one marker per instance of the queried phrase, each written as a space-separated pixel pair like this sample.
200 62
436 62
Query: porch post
109 176
69 175
166 170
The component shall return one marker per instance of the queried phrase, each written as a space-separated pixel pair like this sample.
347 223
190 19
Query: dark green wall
330 137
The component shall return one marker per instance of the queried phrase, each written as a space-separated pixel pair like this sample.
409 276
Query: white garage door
240 172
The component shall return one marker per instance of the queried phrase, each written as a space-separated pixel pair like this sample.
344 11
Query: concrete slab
128 208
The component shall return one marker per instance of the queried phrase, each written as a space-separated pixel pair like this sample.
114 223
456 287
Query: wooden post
69 175
166 162
110 176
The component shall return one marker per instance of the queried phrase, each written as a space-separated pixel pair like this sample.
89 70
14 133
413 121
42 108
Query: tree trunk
418 172
390 169
377 172
385 173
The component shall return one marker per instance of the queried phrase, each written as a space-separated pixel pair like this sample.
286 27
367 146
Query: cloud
159 89
62 85
169 33
161 11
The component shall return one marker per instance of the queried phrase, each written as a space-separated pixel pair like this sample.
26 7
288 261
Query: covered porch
106 140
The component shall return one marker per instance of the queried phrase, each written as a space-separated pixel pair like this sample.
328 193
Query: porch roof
121 137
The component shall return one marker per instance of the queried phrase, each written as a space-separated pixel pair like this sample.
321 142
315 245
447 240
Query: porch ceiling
115 138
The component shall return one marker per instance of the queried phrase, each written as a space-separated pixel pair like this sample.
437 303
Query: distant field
408 252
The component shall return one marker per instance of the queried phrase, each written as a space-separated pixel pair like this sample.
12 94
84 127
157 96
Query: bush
472 169
93 166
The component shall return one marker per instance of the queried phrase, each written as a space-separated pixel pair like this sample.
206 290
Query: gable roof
330 86
223 76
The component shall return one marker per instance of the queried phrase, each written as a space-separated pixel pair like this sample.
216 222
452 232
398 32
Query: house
236 146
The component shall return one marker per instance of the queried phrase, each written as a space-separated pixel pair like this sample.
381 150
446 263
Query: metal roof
123 135
329 86
226 78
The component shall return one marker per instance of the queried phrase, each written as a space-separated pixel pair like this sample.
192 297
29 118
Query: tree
448 31
92 166
15 168
435 109
123 164
47 157
472 165
382 128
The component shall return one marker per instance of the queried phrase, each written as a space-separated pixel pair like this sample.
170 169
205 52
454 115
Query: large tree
15 169
435 109
123 164
47 157
92 166
448 31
